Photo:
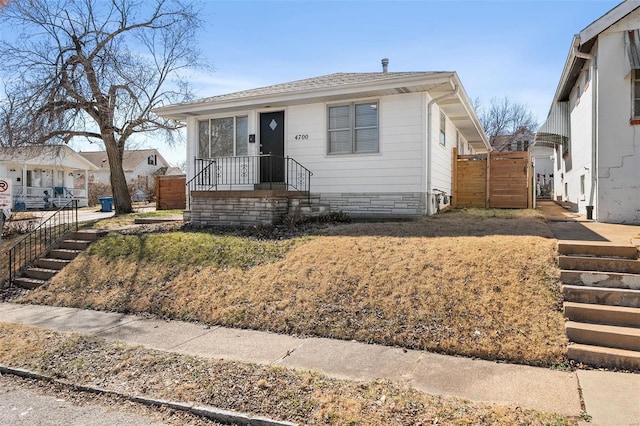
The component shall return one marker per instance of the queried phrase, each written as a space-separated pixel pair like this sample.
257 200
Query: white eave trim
370 88
608 19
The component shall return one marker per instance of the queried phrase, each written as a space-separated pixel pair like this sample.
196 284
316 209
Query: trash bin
106 203
590 212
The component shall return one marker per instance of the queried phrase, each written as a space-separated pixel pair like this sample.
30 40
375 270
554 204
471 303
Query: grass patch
463 283
129 219
303 397
189 249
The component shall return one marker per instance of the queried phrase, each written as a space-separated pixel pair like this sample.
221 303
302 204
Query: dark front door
272 142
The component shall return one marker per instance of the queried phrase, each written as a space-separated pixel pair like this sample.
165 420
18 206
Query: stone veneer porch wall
268 207
238 207
376 204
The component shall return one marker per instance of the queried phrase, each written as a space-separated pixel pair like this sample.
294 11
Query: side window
636 94
443 129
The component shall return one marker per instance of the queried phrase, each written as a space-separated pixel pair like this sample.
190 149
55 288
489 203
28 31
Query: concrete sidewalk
610 398
478 380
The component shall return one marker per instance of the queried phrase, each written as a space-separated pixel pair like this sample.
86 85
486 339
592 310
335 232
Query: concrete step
49 263
586 263
601 279
602 314
627 251
75 244
28 283
601 295
604 357
88 234
609 336
67 254
40 273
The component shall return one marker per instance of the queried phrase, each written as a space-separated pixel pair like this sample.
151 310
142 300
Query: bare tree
97 68
503 120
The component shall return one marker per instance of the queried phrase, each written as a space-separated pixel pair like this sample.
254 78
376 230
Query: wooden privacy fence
171 192
496 180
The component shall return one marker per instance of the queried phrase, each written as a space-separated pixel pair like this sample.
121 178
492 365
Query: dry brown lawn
474 283
304 397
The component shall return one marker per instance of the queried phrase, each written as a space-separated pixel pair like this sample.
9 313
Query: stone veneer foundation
263 207
376 204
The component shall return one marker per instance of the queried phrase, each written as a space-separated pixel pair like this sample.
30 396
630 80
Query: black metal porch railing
42 238
268 171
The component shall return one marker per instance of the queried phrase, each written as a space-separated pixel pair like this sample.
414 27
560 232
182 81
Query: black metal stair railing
204 178
42 238
268 171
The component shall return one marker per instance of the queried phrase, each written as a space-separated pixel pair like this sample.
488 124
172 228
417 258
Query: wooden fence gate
171 192
496 180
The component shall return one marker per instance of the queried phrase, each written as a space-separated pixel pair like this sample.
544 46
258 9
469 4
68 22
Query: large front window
223 137
353 128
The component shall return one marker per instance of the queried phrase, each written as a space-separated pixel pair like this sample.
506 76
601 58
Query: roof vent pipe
385 65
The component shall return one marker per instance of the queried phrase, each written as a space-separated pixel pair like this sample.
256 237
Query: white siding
580 149
441 156
619 141
395 168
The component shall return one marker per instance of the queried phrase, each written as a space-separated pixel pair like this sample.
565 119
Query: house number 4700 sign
302 137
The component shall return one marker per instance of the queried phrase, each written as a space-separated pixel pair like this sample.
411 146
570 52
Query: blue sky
515 48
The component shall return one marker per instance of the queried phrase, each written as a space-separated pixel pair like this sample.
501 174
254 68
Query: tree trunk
121 196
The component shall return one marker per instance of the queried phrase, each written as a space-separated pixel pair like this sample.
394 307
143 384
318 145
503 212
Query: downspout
429 105
594 124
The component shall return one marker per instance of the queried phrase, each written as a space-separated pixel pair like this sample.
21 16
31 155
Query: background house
594 119
370 143
140 169
518 141
57 169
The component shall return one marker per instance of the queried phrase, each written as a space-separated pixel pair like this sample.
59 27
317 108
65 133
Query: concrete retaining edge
212 413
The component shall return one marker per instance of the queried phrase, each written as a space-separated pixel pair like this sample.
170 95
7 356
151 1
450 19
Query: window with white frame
151 160
636 94
223 137
353 128
459 143
443 129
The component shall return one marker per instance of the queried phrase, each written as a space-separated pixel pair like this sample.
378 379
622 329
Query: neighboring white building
594 120
375 143
57 169
138 165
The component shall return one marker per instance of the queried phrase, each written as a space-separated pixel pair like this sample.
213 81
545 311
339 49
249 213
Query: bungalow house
56 169
374 144
141 166
594 119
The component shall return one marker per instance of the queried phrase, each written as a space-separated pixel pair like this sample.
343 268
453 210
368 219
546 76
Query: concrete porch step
75 244
601 279
40 273
49 263
602 314
88 234
609 336
28 283
597 249
67 254
602 356
601 295
586 263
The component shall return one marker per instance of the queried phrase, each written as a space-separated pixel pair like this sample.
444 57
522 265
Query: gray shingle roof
323 82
